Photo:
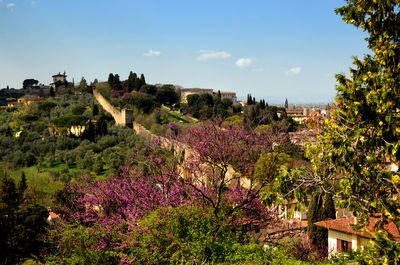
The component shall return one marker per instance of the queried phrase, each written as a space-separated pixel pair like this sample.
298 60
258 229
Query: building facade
185 92
343 238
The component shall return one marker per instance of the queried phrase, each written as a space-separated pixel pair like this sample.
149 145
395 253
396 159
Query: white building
342 237
231 95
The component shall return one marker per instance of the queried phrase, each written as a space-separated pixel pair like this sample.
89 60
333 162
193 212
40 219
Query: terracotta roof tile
343 225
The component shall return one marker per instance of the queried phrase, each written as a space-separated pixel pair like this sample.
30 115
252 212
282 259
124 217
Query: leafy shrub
67 121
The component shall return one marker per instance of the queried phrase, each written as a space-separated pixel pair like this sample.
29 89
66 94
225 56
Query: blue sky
271 49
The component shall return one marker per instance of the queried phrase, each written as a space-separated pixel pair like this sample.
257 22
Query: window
343 246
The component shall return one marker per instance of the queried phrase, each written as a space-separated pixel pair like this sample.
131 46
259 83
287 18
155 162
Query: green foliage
83 86
318 235
148 89
104 89
329 207
114 82
29 83
234 120
271 162
73 246
144 102
361 140
78 110
182 235
29 118
167 95
204 106
21 223
67 121
46 107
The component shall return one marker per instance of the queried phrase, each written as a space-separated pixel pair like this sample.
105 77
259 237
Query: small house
342 237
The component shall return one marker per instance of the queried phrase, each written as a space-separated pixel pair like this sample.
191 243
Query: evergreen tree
95 111
22 185
21 222
329 207
249 99
83 86
117 83
90 135
111 80
52 92
262 104
286 104
135 81
101 126
318 235
131 82
142 80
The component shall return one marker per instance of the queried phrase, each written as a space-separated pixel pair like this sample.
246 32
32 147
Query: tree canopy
359 147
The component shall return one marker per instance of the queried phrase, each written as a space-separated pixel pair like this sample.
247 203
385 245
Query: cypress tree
318 235
135 82
52 92
262 104
142 80
111 80
22 185
329 207
117 83
20 223
95 110
131 81
90 132
249 99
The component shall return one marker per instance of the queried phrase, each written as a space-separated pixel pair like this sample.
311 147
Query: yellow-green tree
358 154
359 147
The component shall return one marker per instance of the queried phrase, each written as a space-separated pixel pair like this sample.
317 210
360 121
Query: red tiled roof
53 215
343 225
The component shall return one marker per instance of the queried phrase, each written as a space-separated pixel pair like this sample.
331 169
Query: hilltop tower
286 104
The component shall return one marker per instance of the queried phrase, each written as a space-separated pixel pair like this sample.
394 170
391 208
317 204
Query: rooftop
343 225
227 93
196 89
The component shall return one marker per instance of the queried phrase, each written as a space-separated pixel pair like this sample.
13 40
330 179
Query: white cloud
210 55
10 6
294 71
244 62
152 53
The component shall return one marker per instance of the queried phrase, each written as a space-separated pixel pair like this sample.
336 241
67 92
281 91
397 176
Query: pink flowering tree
222 163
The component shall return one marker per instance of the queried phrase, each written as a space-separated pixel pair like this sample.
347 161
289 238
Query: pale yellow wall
358 242
184 94
231 96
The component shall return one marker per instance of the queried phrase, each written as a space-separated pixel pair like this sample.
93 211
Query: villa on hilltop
190 91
